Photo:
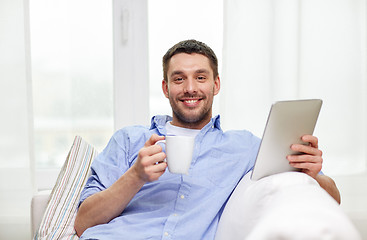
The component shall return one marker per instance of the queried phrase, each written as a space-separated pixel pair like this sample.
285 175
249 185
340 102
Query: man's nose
190 85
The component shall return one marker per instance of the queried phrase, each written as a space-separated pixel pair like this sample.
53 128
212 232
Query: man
130 195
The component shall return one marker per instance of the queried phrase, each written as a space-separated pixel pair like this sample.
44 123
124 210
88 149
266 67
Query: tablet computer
287 122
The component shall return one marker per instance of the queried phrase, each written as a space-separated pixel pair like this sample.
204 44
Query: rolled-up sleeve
108 166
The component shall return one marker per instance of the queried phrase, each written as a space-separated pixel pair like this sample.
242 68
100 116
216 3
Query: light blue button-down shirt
175 206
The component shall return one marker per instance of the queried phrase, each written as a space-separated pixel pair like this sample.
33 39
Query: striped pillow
58 220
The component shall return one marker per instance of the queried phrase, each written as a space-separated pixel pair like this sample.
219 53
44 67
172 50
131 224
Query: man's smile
191 102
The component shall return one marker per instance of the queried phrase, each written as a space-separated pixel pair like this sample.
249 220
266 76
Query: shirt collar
159 122
216 122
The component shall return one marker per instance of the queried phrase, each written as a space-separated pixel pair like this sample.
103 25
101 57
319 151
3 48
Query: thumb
153 139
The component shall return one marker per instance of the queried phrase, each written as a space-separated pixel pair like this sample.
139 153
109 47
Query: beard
192 117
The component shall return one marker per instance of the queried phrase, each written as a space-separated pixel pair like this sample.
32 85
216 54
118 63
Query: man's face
190 88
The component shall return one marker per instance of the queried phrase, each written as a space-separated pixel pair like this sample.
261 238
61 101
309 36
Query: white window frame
131 74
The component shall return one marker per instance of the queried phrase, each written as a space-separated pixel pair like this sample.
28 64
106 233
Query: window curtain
281 49
278 50
16 178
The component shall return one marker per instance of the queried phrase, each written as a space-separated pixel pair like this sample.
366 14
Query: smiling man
130 195
190 84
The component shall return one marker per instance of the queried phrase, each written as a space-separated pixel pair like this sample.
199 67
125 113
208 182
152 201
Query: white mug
179 151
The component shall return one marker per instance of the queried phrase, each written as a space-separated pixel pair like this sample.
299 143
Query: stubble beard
185 118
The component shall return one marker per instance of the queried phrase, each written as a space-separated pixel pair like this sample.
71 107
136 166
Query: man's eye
201 78
178 79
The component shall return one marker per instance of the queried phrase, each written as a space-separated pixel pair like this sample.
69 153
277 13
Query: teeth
191 101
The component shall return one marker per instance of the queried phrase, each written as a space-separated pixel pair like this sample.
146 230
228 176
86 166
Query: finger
155 171
150 150
153 139
157 158
309 168
304 165
151 155
312 140
159 167
306 149
304 158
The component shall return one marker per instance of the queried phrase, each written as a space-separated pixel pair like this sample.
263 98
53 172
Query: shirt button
166 234
175 214
182 196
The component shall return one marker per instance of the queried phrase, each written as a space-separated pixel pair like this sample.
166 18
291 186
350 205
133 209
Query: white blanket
284 206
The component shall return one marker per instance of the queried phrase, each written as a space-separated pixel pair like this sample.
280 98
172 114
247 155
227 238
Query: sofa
283 206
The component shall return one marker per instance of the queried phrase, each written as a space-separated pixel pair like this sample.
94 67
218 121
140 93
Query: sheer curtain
16 180
70 79
279 49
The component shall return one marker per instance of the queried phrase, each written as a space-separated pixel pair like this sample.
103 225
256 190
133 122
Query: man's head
191 82
189 47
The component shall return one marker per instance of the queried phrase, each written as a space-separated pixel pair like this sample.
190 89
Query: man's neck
198 125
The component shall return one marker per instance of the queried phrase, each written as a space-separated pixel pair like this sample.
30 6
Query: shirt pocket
220 168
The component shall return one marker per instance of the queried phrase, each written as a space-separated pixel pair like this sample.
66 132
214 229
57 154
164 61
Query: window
72 67
71 48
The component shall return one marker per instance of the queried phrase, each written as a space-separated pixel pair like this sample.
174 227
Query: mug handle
161 141
163 149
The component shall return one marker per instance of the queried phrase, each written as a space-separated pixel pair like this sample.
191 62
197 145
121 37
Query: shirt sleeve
106 168
255 145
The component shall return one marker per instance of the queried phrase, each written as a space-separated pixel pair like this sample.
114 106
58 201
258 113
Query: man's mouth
191 102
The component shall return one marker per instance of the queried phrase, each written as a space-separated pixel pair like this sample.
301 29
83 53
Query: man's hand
104 206
150 165
310 161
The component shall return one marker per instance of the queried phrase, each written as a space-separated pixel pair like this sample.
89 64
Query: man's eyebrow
177 72
202 71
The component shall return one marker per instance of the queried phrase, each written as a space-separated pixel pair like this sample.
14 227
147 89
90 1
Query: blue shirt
175 206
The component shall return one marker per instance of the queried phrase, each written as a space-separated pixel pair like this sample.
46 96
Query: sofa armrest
38 207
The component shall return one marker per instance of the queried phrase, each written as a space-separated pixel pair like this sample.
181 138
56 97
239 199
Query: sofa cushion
38 208
58 220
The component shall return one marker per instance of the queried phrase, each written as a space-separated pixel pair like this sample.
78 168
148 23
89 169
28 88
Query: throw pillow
58 220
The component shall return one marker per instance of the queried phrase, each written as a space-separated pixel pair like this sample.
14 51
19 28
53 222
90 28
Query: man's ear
216 85
165 88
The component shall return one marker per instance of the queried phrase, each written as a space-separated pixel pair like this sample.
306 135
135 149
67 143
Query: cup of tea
179 151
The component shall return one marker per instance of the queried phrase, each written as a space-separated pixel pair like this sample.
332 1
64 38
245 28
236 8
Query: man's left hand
310 159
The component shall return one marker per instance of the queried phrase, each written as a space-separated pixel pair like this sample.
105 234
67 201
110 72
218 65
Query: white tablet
287 122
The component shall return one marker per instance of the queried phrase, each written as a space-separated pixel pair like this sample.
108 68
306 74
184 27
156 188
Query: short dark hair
189 47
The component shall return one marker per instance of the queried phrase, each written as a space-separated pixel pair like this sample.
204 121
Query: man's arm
103 206
329 185
311 163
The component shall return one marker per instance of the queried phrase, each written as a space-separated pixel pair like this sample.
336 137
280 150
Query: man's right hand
112 201
150 164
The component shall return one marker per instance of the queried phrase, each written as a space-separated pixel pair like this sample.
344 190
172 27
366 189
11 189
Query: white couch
283 206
